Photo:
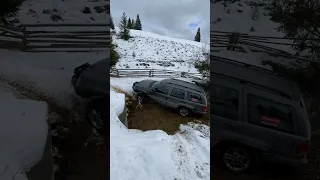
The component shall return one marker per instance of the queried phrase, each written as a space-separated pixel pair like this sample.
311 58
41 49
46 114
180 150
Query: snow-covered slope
250 17
148 50
62 11
136 155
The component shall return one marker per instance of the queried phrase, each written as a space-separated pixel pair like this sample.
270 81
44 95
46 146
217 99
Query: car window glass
163 89
194 97
224 102
270 114
178 93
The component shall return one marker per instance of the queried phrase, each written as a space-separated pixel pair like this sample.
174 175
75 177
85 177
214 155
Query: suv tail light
301 149
204 109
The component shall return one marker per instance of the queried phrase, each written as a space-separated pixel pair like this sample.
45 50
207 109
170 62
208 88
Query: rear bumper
282 159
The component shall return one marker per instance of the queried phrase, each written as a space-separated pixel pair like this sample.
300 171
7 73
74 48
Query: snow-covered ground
146 50
42 11
237 16
155 154
46 73
20 152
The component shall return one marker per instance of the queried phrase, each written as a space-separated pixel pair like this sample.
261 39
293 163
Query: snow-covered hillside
60 11
250 17
146 50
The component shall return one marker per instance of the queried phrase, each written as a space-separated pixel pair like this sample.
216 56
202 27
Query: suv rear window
224 102
177 93
194 97
270 114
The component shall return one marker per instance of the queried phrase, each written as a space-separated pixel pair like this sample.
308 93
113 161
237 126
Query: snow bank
155 154
23 133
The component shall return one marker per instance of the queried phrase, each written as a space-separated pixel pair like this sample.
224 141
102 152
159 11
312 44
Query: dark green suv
256 115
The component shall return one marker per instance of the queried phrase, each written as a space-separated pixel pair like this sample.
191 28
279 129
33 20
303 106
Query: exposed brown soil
154 117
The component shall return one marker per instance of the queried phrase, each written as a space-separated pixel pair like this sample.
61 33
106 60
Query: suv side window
177 93
224 102
194 97
270 114
162 89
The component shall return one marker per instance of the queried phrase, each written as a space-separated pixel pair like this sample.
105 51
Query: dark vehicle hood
143 85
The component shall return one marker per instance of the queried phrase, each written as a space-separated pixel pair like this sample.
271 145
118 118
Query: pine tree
114 56
198 36
138 25
298 19
111 23
133 23
129 24
124 31
9 8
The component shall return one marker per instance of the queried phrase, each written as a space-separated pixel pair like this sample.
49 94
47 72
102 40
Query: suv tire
142 98
183 111
96 114
239 159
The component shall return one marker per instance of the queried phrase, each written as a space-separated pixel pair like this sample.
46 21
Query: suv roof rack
217 58
256 76
181 83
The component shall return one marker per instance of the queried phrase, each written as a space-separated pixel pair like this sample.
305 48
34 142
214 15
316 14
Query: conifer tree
111 23
129 24
124 31
9 8
138 25
198 36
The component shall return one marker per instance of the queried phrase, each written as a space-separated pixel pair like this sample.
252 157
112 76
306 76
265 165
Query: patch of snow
155 154
46 73
40 11
29 118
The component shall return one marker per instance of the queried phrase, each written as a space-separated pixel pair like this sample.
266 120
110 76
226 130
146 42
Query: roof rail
200 90
243 81
222 59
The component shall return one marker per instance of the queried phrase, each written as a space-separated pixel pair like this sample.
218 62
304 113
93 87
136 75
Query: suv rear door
225 105
270 122
176 97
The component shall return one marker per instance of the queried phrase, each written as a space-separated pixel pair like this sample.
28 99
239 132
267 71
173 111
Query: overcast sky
174 18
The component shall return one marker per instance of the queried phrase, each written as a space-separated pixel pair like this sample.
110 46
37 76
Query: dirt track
154 117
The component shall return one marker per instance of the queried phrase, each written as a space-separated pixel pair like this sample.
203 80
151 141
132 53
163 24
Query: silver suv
185 97
256 115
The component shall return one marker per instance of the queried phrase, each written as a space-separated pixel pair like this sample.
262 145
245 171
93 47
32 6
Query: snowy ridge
146 50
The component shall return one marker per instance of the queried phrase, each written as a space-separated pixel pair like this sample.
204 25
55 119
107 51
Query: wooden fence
277 46
55 37
152 73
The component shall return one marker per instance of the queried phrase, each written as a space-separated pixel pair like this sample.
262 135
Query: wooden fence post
24 38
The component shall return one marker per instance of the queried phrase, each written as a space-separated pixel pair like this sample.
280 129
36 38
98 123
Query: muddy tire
239 159
183 111
96 114
142 98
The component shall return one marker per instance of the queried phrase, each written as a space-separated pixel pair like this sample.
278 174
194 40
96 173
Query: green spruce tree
138 25
133 23
198 36
129 24
9 8
298 19
124 31
111 23
114 56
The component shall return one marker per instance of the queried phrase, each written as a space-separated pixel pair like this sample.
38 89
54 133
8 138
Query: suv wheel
96 114
184 111
238 159
142 98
